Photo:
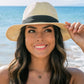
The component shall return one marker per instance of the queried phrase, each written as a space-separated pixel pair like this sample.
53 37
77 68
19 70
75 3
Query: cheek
51 39
28 42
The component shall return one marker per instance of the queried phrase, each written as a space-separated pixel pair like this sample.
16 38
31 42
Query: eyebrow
31 27
47 26
43 27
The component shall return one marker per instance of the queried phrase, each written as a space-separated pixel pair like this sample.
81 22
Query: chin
40 56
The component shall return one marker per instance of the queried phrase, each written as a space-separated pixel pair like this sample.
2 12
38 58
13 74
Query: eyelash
48 30
30 31
33 31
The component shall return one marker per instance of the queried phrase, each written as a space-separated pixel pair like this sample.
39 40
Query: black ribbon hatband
39 18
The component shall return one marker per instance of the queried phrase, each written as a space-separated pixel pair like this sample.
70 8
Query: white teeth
39 46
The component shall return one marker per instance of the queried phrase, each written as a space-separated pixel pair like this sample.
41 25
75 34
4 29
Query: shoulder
77 76
4 78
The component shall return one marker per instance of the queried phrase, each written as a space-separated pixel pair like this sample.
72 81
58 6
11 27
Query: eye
48 30
31 31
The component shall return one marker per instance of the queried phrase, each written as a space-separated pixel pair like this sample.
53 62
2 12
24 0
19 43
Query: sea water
11 15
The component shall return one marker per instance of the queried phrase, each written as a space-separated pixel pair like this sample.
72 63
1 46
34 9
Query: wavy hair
19 66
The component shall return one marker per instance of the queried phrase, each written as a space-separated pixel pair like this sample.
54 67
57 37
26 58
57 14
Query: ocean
11 15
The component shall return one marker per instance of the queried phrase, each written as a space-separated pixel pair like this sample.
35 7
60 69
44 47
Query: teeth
40 46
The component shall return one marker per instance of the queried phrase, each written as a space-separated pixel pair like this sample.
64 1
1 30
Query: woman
40 55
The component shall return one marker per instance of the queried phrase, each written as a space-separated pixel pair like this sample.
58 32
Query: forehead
39 25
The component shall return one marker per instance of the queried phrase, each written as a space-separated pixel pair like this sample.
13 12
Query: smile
41 46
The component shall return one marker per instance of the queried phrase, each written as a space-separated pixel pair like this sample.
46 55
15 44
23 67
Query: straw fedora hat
37 13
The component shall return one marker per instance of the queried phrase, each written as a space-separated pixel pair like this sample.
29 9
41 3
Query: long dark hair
19 66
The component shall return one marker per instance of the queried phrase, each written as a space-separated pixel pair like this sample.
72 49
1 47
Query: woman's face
39 40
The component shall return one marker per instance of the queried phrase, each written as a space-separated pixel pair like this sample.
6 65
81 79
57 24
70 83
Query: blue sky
54 2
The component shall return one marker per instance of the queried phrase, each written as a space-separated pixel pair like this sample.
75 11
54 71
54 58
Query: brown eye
31 31
48 30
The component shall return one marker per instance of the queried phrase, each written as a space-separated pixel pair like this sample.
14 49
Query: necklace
39 74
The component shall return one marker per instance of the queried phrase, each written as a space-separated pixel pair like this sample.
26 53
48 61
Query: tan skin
41 42
76 31
40 46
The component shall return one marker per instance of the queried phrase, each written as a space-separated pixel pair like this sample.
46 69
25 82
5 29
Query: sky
53 2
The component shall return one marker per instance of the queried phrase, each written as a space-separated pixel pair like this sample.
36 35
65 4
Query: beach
75 55
13 15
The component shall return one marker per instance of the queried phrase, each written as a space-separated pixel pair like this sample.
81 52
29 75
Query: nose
39 37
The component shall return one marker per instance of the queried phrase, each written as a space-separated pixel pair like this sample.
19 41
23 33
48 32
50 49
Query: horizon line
53 5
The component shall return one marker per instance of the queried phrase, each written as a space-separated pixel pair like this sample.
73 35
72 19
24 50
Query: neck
39 64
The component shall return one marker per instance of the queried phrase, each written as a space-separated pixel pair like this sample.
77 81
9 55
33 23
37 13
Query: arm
77 76
76 31
4 79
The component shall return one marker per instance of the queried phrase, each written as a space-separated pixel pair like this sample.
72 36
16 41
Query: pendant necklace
39 76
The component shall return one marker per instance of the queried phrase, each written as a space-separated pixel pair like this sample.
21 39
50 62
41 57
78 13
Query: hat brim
14 31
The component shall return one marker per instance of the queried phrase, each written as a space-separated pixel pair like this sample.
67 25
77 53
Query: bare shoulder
4 78
77 76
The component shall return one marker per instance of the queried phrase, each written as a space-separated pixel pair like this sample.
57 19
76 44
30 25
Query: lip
40 46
